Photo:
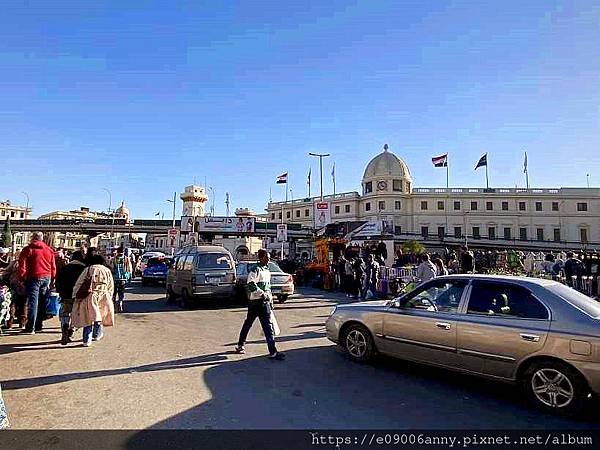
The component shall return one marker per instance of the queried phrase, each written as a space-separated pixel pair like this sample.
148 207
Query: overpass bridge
99 226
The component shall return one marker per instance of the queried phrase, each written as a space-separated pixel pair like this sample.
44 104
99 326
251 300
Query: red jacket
37 261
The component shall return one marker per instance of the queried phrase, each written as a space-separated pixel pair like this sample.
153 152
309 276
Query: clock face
382 186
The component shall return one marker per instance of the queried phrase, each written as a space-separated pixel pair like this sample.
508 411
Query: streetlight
212 208
113 216
320 156
109 198
174 201
27 206
587 176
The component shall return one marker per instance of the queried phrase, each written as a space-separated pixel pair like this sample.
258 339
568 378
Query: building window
581 207
288 214
456 206
504 206
368 206
306 212
521 206
397 230
337 209
347 208
279 216
425 232
584 235
507 233
441 232
440 206
557 235
523 234
492 232
398 204
397 185
382 206
473 206
12 214
476 234
297 213
22 215
554 206
538 206
457 232
423 206
540 234
368 187
489 206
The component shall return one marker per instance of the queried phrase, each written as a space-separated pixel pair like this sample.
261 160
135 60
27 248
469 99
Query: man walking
259 305
426 270
372 275
37 269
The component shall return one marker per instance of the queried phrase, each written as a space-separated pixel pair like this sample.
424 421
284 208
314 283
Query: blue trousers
36 289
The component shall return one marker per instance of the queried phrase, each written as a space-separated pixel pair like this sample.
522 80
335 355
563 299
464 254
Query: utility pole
227 202
320 156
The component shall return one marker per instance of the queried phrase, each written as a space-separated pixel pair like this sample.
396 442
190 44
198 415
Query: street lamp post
113 216
320 156
27 206
174 201
212 208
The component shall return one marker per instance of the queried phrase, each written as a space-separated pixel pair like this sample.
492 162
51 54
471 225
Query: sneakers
240 349
99 337
87 344
279 356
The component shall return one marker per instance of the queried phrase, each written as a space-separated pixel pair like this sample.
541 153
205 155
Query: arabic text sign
226 224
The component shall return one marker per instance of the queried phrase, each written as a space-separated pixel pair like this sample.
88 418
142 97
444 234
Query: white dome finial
385 148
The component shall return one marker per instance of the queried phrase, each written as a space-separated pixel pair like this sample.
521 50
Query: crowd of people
90 287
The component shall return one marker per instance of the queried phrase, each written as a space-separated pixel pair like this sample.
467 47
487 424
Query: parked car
141 265
201 272
282 284
537 333
156 270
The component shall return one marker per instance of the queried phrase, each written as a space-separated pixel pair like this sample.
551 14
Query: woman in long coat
93 307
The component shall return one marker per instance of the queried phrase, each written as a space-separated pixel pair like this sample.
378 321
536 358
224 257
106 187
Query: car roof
204 249
511 278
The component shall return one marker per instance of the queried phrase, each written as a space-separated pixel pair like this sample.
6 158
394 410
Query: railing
546 191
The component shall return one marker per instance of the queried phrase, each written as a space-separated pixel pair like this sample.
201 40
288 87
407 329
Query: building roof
386 164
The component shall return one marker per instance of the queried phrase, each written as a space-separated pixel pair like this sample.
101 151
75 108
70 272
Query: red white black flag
282 179
440 161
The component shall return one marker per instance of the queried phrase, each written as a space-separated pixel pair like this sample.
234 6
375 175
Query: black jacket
67 277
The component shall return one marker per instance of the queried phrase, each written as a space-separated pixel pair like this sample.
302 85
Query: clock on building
382 186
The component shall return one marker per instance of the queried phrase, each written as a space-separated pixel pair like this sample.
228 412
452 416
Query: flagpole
526 172
487 183
333 180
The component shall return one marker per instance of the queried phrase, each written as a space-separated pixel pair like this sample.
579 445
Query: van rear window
213 261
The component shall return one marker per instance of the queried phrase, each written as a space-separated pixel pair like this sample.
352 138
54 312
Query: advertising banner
218 224
322 213
281 232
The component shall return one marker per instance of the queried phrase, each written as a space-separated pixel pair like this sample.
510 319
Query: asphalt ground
162 367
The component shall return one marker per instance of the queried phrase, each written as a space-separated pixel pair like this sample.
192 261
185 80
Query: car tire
170 295
555 387
358 343
282 298
186 301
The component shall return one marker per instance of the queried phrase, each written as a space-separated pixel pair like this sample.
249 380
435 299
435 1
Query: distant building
14 213
556 217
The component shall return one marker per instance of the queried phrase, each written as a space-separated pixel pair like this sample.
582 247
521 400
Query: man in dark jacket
573 268
467 261
37 269
65 282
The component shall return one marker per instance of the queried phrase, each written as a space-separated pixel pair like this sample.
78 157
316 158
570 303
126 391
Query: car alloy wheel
356 343
552 388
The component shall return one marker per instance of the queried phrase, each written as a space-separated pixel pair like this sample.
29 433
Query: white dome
386 165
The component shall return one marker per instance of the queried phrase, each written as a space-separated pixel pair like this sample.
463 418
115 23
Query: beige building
71 240
14 213
549 216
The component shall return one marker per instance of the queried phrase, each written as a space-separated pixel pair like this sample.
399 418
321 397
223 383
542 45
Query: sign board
218 224
322 213
172 233
281 232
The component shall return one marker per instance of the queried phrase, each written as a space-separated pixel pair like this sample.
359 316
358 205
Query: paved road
163 367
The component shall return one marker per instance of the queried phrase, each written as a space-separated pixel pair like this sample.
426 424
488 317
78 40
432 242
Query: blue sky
145 97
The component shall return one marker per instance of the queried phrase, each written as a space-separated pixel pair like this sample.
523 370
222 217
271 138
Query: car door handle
443 325
530 337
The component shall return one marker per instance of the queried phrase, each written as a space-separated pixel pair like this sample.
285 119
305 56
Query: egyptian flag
482 162
282 179
440 161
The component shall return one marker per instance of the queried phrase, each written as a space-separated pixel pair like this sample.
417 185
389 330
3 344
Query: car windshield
273 267
213 261
577 299
157 261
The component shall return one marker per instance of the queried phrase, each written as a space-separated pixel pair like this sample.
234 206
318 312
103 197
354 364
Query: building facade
548 217
14 213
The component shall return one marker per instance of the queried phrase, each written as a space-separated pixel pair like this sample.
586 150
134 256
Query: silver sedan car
538 333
